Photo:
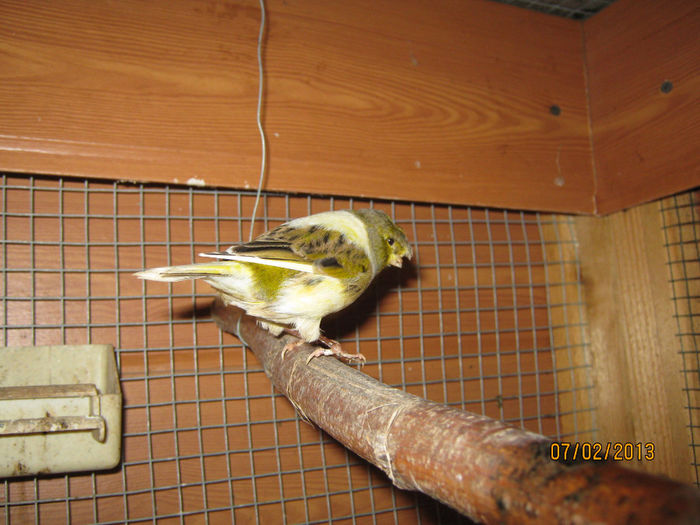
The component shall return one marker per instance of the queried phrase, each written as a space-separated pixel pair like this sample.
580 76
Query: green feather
269 279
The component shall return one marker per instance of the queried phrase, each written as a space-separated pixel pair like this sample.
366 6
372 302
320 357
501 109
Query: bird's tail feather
186 271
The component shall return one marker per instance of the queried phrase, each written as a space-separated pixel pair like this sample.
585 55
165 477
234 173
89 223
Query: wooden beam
643 58
448 102
636 364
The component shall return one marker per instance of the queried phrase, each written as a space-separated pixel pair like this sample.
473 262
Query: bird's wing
307 248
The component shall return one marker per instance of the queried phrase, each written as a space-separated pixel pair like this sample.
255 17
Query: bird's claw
333 348
337 351
291 346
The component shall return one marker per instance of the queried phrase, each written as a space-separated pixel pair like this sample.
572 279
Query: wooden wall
643 59
465 101
635 358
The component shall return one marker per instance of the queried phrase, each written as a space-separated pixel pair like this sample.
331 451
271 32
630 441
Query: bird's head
389 242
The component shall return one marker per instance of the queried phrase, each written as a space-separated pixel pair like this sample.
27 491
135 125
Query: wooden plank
424 102
567 317
646 142
635 359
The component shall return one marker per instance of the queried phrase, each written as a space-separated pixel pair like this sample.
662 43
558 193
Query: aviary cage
581 328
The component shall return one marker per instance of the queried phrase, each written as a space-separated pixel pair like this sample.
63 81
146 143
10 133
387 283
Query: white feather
160 274
290 265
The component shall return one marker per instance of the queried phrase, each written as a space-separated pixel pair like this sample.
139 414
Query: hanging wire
263 141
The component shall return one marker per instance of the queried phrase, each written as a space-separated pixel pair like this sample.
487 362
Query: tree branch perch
485 469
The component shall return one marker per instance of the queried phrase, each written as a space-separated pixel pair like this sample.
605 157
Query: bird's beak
397 260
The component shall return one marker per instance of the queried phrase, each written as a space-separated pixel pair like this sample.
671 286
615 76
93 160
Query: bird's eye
390 241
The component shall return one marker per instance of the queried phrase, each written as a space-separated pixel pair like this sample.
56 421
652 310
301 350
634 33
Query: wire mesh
487 318
680 217
578 9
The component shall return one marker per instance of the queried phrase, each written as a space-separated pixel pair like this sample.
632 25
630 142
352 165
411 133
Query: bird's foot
332 348
335 349
292 346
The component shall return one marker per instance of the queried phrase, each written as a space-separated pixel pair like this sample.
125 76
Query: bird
294 275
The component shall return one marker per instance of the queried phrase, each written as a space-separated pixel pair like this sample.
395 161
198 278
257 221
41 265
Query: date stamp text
595 451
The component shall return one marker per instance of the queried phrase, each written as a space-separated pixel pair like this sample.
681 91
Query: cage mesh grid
487 318
680 216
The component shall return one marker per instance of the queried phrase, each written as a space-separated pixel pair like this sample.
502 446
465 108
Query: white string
263 142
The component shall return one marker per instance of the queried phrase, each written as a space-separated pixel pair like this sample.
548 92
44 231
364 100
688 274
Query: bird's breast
311 295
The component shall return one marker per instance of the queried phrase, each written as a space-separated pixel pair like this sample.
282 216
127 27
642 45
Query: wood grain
635 360
646 142
418 101
567 317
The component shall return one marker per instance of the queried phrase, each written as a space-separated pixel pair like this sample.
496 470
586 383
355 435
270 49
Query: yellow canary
296 274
